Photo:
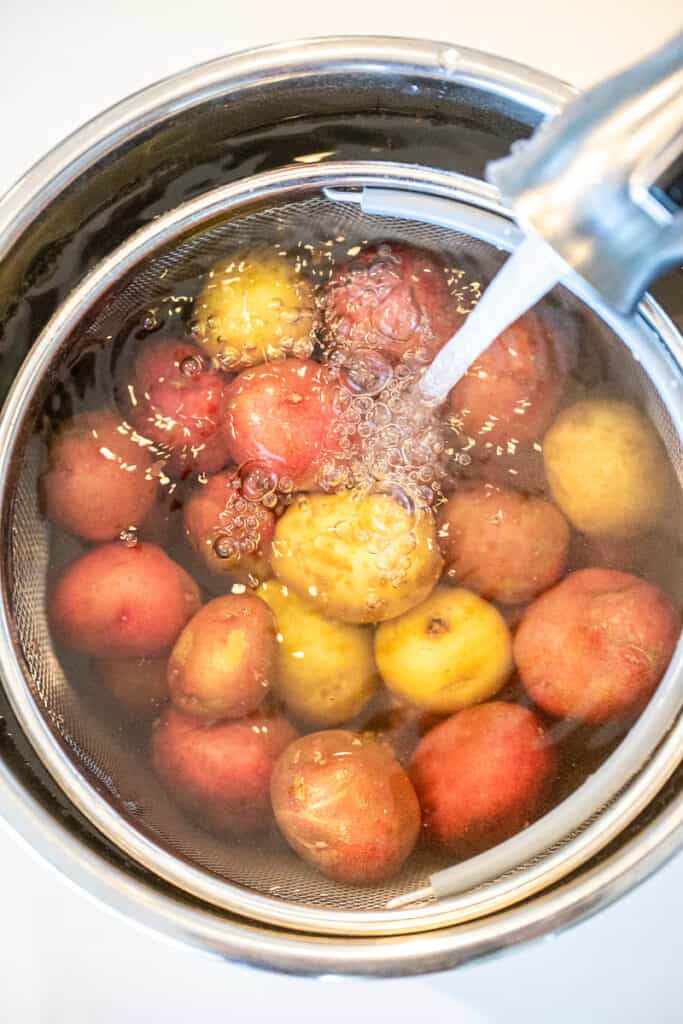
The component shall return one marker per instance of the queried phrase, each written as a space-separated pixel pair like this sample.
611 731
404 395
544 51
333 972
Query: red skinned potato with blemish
121 601
346 805
219 773
595 646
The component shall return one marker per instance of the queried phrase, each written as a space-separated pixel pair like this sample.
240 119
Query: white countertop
64 958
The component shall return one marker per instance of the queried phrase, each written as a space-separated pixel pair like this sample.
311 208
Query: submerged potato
346 805
255 306
451 651
595 646
222 664
480 776
219 772
357 557
326 671
607 468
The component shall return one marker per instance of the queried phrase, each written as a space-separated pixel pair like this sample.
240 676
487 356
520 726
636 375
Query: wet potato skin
392 298
504 545
480 775
212 516
120 601
607 469
176 400
100 480
595 646
255 307
339 551
281 416
219 773
326 670
452 650
345 805
223 662
513 391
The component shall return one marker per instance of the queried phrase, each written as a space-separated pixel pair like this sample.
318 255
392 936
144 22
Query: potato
607 468
223 662
511 393
504 545
326 671
344 803
175 399
357 557
452 650
137 685
281 418
255 306
480 776
220 773
100 481
118 601
391 298
230 533
595 646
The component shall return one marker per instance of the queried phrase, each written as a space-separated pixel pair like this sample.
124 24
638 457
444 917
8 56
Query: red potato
595 646
504 545
176 400
223 662
101 480
220 773
344 803
481 774
392 298
120 601
230 533
281 418
137 685
512 392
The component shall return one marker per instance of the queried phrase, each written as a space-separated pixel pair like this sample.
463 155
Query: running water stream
525 278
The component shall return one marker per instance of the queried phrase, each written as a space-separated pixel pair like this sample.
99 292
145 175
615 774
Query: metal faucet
602 181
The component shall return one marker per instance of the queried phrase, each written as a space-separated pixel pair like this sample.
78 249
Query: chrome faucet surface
602 182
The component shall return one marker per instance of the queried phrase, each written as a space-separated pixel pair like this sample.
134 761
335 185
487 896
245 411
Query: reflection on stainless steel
584 181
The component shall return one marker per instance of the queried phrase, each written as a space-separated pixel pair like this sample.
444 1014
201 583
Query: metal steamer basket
169 179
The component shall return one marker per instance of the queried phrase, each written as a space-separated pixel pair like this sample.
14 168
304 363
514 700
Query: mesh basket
101 769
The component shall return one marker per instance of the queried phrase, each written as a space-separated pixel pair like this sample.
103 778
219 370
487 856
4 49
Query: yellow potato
326 670
451 651
357 557
607 468
255 306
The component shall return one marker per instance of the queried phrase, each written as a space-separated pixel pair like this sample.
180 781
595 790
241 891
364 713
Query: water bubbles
229 358
366 373
129 537
259 483
225 546
191 366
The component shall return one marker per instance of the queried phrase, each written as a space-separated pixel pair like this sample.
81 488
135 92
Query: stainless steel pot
350 99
